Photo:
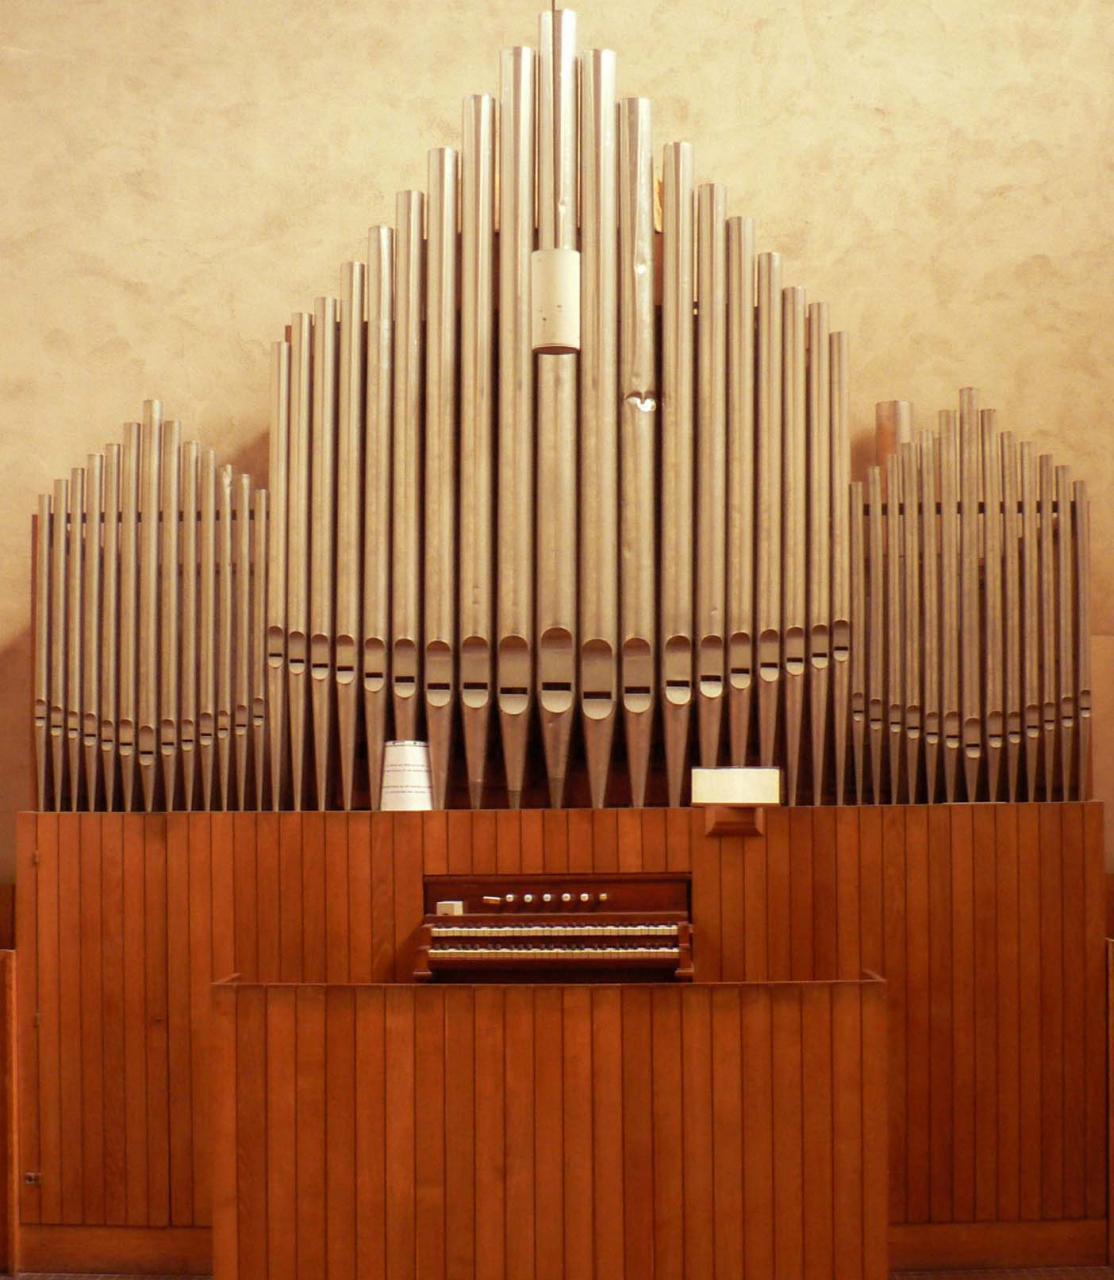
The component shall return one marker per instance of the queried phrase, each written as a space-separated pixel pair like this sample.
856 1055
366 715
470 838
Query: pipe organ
149 574
560 483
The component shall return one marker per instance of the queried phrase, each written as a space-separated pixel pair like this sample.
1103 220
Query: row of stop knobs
544 900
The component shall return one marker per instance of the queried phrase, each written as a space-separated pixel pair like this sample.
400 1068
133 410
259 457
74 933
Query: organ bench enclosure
986 921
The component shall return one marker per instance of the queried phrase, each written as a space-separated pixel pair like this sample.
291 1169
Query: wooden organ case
556 929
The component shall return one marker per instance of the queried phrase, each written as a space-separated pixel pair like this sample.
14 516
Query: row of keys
548 930
551 953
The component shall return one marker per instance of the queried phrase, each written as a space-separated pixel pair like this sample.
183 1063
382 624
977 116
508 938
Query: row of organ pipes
971 595
552 538
149 569
481 538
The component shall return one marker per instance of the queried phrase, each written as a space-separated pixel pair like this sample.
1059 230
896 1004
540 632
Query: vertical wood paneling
429 1133
609 1103
779 962
732 909
801 923
316 1066
895 895
340 1132
555 841
579 1134
787 1121
359 896
158 1049
135 1021
984 907
484 844
986 921
268 892
282 1129
847 1131
605 840
490 1159
519 1071
875 1126
69 1015
697 1142
963 1019
508 842
460 827
825 905
1074 1006
179 1048
29 1019
290 896
706 902
756 951
309 1120
223 900
581 851
870 890
225 1137
112 1012
1094 885
246 889
549 1136
382 897
628 829
1029 1002
370 1125
847 869
918 1049
940 1011
1052 1013
92 1024
407 891
399 1132
638 1124
460 1153
249 1158
818 1131
337 925
758 1151
1009 1041
533 841
436 843
313 897
727 1128
201 975
654 837
678 836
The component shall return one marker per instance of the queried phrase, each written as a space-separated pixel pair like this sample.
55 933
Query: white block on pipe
555 301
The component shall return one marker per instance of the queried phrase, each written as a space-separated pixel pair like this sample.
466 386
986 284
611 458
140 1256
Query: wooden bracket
734 820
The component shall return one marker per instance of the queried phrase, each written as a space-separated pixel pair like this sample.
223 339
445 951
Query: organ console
556 928
552 460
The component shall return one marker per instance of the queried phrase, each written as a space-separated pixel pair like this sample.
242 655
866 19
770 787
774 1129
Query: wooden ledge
734 820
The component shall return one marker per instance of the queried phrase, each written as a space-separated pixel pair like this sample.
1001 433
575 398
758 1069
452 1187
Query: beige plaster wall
178 175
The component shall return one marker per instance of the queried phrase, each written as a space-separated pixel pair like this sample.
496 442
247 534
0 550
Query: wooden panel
651 1049
988 924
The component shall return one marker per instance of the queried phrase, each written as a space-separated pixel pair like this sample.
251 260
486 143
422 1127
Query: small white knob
566 897
585 897
527 897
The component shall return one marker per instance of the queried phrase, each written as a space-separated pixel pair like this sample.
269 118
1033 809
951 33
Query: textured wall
179 176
